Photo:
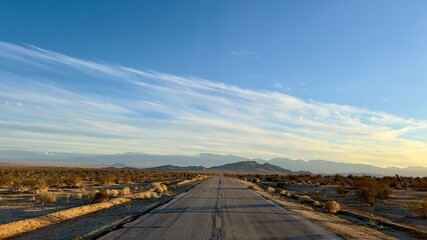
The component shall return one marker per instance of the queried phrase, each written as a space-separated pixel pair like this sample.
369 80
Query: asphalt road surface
220 208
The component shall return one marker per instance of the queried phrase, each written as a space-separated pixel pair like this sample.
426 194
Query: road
220 208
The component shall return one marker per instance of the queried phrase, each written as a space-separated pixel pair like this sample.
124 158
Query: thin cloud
76 105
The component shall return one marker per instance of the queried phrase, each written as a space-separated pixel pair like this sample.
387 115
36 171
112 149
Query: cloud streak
53 102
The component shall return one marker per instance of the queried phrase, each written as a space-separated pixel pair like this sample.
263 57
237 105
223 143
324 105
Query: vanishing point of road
220 208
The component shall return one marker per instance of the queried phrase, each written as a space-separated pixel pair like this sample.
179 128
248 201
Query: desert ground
37 197
396 208
85 203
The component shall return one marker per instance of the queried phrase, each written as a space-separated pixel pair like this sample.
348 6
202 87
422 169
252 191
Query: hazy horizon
258 83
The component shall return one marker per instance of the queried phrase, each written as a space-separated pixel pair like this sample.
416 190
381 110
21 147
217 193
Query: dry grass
419 207
126 191
283 192
331 207
47 197
305 199
270 190
78 195
158 187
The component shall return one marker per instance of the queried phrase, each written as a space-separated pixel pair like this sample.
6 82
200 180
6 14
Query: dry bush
5 180
270 190
112 192
147 194
100 197
317 203
305 199
78 195
93 193
256 180
159 187
41 189
369 190
341 191
127 179
18 186
331 207
419 184
47 197
419 207
72 181
283 192
106 179
126 191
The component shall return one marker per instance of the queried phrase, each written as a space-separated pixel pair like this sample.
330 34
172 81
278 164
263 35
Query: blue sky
337 80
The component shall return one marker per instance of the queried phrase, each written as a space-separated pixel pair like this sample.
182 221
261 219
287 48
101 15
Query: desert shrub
341 191
383 191
340 180
317 203
5 180
126 191
34 185
374 223
305 199
251 187
272 178
100 197
256 180
53 181
72 181
93 193
78 195
270 190
283 192
331 207
106 179
47 197
41 189
419 207
127 179
112 192
18 186
419 184
369 190
159 187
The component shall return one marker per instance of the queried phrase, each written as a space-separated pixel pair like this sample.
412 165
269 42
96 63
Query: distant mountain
237 167
250 167
217 159
177 168
329 167
119 165
204 159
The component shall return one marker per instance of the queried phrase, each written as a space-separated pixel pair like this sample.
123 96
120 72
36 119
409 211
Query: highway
220 208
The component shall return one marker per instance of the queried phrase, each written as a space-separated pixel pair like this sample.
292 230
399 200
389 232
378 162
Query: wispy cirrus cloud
53 102
243 53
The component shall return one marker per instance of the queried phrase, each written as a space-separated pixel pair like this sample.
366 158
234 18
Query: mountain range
140 160
237 167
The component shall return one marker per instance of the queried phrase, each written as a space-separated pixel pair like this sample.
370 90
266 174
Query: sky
334 80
